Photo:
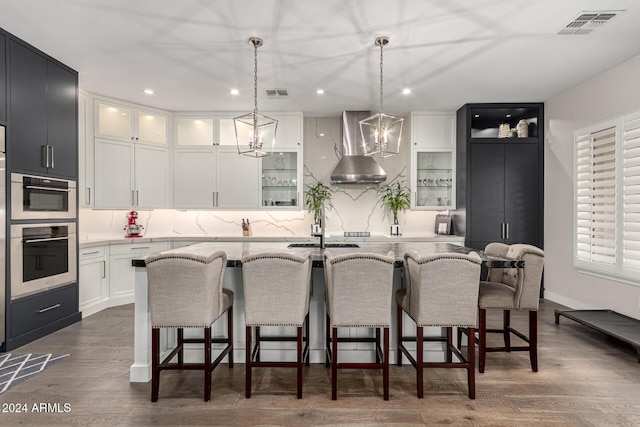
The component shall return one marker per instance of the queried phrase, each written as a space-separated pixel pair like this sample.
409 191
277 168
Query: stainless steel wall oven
43 256
44 198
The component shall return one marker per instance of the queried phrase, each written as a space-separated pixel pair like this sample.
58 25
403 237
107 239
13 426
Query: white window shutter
631 192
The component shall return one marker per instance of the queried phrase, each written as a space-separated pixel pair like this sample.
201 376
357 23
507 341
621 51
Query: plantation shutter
631 191
596 196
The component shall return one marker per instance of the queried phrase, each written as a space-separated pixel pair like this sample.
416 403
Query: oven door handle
49 239
35 187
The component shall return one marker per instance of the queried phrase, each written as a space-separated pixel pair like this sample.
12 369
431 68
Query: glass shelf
278 186
433 170
486 122
279 170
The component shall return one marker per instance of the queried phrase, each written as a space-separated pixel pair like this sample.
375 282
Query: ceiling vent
277 93
586 22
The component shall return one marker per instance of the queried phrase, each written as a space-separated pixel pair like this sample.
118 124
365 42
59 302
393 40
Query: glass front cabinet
281 179
434 177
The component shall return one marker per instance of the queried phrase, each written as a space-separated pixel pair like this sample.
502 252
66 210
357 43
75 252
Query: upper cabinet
3 79
433 130
43 104
288 135
125 123
195 131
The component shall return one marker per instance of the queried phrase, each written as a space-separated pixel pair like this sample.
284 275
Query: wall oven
37 197
43 256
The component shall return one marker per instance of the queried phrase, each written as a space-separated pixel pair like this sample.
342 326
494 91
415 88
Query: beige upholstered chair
441 290
276 293
185 291
510 289
359 291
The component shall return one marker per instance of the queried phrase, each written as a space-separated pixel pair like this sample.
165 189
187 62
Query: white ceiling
192 52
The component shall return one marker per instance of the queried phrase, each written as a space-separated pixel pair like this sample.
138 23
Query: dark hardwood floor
585 379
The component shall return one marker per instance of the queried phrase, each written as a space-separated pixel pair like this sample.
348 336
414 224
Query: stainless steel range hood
355 167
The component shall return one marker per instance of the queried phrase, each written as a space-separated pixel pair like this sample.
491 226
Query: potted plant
397 198
317 196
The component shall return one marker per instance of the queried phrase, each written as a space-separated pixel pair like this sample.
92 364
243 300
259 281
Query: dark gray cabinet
500 179
3 79
43 119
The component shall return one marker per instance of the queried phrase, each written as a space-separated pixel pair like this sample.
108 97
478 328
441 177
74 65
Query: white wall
610 94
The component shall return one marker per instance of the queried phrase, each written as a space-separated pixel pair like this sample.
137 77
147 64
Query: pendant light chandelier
255 132
381 133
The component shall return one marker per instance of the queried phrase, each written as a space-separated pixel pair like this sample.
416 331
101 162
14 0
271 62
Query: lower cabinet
122 274
93 280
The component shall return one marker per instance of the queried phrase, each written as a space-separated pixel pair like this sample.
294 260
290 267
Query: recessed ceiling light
148 91
320 91
508 115
406 91
234 92
477 115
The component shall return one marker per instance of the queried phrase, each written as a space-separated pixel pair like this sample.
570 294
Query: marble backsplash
356 207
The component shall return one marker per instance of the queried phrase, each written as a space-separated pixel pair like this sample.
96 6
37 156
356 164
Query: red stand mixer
133 230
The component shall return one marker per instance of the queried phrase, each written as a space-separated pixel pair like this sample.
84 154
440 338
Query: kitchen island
141 368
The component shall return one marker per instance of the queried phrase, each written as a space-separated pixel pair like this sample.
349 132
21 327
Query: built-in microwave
43 256
38 197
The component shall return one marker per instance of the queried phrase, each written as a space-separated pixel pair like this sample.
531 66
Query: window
607 199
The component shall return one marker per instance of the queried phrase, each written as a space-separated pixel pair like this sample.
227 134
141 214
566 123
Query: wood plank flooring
585 379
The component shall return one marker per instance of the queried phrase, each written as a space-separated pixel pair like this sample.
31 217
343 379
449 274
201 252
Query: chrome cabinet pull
137 198
87 196
133 197
53 160
507 230
49 239
104 269
90 253
48 308
37 187
45 156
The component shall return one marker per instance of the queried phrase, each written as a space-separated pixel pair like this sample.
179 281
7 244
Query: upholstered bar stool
359 291
509 289
185 291
276 293
441 290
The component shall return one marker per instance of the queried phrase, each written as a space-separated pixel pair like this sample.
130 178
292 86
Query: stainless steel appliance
38 197
43 256
3 223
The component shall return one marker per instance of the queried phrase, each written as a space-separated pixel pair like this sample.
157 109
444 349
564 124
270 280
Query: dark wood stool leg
247 376
258 343
506 323
207 364
327 338
334 364
459 336
449 332
306 340
471 370
230 334
180 337
483 339
385 368
420 361
377 346
299 362
533 339
399 336
155 362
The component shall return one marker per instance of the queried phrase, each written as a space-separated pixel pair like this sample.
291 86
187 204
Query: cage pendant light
255 132
381 133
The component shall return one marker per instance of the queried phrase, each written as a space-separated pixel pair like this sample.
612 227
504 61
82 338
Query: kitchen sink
328 245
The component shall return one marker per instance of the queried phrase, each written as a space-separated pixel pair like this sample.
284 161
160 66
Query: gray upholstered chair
276 293
185 291
359 291
441 290
510 289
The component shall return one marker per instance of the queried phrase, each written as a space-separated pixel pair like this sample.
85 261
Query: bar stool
359 291
509 289
276 293
442 290
185 291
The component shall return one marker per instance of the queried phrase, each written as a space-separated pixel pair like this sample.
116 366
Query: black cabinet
43 114
3 79
500 184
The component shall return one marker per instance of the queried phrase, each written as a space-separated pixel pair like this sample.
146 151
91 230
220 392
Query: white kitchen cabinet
122 274
434 178
195 131
130 175
281 177
238 179
93 280
86 188
130 123
433 130
194 178
288 135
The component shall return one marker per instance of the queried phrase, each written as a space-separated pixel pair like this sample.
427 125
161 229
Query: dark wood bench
624 328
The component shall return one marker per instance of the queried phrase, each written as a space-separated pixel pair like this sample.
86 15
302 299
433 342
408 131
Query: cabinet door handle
133 192
45 156
104 269
502 230
42 310
87 196
507 230
53 162
213 198
140 248
90 253
137 198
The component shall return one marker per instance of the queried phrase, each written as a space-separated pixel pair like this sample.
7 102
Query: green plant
317 195
395 197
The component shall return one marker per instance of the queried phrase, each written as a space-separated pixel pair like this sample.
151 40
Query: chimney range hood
355 167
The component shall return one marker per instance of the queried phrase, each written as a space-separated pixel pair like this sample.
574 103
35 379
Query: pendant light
381 133
255 132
